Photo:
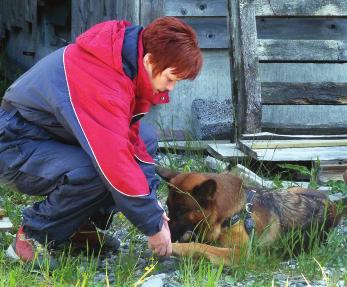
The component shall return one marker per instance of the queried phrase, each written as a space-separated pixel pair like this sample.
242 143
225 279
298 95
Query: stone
155 281
212 119
5 224
216 164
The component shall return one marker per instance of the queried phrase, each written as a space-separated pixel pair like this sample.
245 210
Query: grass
133 266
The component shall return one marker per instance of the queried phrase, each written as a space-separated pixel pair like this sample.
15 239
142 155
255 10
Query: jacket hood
104 41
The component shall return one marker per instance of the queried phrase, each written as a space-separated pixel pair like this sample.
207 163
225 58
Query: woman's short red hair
173 44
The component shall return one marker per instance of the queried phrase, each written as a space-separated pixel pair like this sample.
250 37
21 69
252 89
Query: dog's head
198 202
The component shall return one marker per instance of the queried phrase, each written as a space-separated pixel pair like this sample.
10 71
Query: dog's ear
204 193
165 173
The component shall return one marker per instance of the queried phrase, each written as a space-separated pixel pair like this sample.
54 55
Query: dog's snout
179 231
188 236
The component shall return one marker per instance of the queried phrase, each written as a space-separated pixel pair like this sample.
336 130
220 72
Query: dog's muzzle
188 236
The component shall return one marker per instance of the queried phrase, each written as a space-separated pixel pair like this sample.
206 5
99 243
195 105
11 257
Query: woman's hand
160 243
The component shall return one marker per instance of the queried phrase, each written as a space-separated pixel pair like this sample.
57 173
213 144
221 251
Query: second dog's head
199 202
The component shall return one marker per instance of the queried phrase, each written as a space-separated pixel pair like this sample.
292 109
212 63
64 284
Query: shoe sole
11 253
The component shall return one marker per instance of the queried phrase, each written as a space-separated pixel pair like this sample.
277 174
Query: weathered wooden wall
33 28
288 49
86 13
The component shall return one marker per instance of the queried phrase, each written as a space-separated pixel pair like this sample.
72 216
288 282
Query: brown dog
215 207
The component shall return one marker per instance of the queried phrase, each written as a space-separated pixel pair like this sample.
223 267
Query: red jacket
105 100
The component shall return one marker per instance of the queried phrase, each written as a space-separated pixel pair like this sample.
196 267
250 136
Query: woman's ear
147 61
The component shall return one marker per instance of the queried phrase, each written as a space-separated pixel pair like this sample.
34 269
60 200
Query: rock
155 281
212 119
280 277
336 196
215 164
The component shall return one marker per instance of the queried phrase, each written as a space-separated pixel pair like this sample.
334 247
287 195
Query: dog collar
245 214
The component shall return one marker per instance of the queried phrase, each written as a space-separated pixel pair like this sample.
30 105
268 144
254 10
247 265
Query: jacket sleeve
142 211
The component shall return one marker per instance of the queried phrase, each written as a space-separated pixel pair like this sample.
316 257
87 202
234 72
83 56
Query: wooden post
244 67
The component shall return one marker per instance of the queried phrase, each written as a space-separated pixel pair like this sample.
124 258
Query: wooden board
274 136
332 170
188 145
305 119
5 224
2 213
227 151
327 93
86 13
301 8
195 8
211 32
150 10
334 51
313 129
304 143
269 184
302 28
299 154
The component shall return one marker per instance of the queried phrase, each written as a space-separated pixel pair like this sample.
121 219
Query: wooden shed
31 29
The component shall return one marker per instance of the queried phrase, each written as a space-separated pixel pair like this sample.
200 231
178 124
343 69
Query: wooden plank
305 119
302 28
279 144
188 145
80 17
2 213
86 13
150 10
5 224
127 10
196 8
2 27
14 13
301 8
331 170
304 93
230 152
225 151
301 154
303 129
30 13
13 69
244 62
269 184
273 136
333 51
211 32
